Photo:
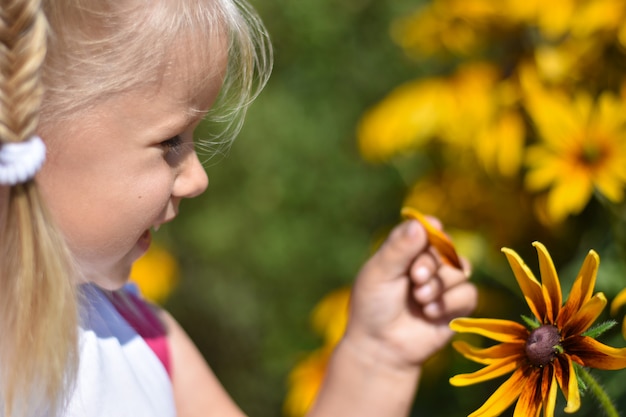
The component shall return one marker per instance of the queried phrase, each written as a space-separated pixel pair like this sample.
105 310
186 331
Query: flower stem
596 389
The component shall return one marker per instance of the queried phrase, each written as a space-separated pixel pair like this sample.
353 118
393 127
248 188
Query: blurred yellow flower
484 118
432 30
592 16
156 274
330 316
408 117
618 302
559 63
499 211
329 319
304 382
582 147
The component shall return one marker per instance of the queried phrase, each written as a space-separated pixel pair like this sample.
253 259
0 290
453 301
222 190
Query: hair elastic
20 161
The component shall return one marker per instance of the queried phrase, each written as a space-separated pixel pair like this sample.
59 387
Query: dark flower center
542 345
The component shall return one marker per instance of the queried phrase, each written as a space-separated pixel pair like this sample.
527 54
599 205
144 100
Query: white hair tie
20 161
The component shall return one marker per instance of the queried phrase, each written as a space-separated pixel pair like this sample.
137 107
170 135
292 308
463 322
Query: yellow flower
408 117
483 118
548 353
304 382
329 319
156 274
582 148
330 315
618 302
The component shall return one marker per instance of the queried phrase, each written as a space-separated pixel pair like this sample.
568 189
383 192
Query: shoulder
197 392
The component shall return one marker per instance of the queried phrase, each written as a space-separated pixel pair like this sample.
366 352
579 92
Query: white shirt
119 375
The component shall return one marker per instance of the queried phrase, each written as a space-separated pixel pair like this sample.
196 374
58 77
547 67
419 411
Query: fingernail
424 292
412 228
432 309
422 274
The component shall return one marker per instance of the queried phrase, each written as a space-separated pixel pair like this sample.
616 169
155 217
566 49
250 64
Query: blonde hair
35 358
95 49
101 48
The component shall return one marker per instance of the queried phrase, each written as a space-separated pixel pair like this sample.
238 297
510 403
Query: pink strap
142 317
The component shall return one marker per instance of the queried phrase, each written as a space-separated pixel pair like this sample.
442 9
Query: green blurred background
292 211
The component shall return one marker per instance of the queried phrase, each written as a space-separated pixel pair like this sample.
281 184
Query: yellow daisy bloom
156 274
545 355
582 148
404 120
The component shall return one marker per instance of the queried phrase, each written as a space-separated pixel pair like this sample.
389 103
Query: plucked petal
529 402
586 316
499 330
595 354
528 283
504 396
436 237
491 371
582 288
551 287
511 351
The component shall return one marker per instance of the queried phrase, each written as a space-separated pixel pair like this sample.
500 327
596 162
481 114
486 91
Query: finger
395 257
455 302
424 267
428 292
429 283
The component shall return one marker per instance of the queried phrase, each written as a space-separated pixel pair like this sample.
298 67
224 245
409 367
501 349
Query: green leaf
599 329
531 322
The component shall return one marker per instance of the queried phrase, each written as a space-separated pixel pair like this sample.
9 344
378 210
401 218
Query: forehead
194 73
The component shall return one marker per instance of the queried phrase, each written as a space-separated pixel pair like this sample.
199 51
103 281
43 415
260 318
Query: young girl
124 85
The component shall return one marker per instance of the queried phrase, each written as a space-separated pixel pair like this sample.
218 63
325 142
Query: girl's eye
172 143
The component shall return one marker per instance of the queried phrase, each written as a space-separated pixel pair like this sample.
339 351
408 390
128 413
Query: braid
38 319
22 50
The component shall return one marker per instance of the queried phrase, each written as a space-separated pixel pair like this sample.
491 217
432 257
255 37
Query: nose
192 179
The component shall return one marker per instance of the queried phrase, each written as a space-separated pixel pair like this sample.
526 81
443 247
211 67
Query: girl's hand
404 298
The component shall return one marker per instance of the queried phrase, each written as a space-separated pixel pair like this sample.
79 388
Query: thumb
395 256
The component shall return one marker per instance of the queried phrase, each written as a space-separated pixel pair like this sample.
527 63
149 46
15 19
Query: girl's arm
197 392
401 304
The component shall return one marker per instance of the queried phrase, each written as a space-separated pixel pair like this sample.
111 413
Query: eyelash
173 142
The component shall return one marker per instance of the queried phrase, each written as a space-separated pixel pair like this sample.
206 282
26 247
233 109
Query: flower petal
499 330
436 237
529 402
528 283
582 288
511 351
566 377
595 354
618 302
491 371
550 285
504 396
548 391
585 317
